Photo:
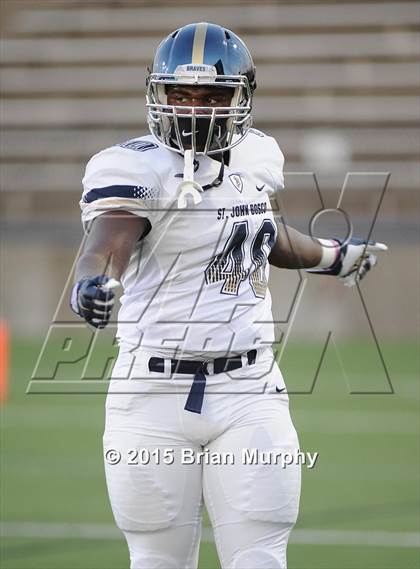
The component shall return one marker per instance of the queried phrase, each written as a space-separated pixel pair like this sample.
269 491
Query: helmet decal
199 41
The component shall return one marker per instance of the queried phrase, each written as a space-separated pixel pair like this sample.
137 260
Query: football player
182 219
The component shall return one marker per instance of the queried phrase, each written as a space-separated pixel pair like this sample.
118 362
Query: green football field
359 505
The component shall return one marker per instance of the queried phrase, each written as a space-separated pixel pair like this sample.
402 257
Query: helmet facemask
204 130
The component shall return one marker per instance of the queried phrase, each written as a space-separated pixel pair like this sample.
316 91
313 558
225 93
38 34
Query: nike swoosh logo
184 133
280 390
260 188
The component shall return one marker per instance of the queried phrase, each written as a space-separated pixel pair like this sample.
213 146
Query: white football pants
156 484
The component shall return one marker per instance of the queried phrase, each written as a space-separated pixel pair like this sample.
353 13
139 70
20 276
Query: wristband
330 253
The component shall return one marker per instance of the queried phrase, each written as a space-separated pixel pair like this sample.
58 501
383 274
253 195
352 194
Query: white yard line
59 530
355 537
352 421
51 530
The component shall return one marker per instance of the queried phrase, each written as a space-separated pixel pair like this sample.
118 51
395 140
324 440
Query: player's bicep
116 231
294 250
110 243
281 248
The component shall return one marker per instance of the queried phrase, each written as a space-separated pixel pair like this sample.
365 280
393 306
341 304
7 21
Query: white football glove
355 258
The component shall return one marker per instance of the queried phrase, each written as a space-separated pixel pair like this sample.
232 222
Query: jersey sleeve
275 164
119 179
263 152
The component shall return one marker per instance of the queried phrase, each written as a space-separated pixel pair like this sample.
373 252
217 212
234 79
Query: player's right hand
92 298
357 257
354 258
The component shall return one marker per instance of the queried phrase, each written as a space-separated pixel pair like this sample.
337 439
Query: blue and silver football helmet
196 55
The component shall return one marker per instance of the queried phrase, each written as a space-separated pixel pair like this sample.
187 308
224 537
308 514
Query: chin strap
216 182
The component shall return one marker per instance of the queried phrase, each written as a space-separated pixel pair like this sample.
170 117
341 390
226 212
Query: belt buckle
209 367
244 360
167 368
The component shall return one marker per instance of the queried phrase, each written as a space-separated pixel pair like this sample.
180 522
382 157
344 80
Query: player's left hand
356 257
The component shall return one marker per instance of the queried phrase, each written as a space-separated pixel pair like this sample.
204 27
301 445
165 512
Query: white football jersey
196 285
